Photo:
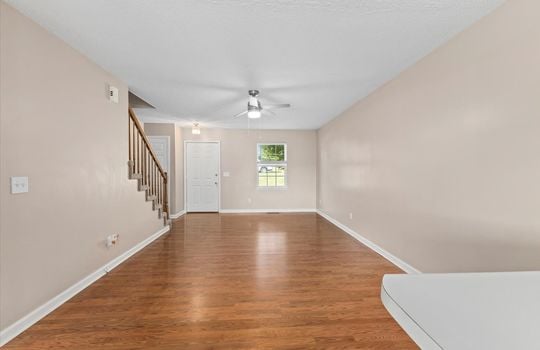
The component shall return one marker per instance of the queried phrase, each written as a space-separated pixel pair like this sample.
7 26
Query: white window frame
283 163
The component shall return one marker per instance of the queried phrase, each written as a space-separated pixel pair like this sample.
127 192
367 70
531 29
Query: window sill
270 188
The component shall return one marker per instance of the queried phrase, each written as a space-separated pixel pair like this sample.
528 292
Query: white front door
202 176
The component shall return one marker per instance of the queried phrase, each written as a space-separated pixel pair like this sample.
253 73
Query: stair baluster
144 167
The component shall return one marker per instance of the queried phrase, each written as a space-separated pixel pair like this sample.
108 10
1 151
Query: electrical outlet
350 216
249 200
112 240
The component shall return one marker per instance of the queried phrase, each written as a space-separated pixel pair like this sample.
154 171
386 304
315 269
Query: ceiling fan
255 109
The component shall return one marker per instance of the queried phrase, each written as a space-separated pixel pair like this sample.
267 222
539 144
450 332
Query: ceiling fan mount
255 109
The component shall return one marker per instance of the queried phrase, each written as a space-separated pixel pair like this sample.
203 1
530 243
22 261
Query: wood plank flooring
231 281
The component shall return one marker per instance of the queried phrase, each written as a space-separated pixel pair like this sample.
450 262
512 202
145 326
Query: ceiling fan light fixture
255 109
254 114
196 129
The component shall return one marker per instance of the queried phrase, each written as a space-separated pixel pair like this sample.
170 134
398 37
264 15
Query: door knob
215 183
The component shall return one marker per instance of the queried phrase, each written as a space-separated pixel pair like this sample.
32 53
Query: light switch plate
113 94
19 184
226 174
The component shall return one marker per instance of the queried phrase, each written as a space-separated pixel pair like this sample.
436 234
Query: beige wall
441 167
239 158
53 108
176 201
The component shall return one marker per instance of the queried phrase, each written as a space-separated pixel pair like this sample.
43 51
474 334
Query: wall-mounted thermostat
113 94
19 184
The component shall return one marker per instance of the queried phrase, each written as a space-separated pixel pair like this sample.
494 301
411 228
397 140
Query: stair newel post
134 147
129 141
131 133
165 199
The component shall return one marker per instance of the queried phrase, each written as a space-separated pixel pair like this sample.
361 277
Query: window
271 165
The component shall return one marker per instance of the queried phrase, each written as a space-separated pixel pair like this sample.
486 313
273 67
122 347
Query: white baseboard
24 323
247 211
177 215
377 249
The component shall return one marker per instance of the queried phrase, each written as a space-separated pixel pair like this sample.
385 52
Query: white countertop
467 310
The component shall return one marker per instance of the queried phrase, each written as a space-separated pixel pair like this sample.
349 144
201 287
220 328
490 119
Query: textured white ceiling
194 60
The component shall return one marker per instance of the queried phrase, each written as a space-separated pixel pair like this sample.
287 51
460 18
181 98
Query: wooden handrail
145 140
145 167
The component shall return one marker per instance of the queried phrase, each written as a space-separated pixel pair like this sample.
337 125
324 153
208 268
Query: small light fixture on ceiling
254 114
196 129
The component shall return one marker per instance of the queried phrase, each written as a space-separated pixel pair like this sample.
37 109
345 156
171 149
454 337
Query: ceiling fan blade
240 114
267 112
276 106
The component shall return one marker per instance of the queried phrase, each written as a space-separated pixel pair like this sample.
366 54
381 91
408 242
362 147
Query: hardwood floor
230 281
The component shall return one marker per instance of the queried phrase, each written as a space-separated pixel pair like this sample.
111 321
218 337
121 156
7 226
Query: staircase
145 168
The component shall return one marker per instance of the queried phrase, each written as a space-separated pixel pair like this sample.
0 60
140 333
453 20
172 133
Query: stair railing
145 167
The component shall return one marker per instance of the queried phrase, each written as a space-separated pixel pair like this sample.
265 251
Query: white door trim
185 172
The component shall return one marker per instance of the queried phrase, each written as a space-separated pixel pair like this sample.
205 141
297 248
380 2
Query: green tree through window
271 153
